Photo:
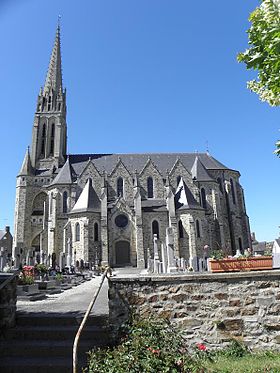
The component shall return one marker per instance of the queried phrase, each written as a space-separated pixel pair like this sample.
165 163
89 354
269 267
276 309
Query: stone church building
110 206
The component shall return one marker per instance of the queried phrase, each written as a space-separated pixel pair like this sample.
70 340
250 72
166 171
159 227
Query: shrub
150 345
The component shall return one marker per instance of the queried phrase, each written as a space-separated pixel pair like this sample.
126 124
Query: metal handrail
77 337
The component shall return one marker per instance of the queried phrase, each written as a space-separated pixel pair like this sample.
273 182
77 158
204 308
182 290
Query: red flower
201 347
156 352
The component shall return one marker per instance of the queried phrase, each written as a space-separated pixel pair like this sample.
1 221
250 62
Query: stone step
35 319
65 332
36 365
32 297
45 348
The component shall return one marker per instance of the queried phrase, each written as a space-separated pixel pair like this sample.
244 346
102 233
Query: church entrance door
122 250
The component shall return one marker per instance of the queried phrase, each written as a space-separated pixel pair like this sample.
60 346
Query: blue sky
141 76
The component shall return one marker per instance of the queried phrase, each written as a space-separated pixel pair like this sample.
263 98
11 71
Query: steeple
49 130
54 75
26 168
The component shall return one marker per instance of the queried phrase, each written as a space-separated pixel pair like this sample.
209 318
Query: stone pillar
104 226
138 224
61 261
3 259
170 204
192 241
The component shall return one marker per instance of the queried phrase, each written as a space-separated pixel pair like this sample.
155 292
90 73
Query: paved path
71 302
76 300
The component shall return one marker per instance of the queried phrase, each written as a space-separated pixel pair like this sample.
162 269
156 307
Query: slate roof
88 200
65 175
184 199
26 167
163 161
199 172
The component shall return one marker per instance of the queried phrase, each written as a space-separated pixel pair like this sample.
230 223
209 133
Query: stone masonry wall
210 308
8 299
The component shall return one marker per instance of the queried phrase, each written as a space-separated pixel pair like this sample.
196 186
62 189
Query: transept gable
90 172
120 170
179 170
148 167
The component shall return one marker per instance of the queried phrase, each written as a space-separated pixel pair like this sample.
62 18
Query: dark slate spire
88 200
54 74
65 175
184 198
199 172
26 168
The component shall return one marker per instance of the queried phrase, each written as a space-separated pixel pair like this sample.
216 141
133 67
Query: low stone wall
8 299
210 308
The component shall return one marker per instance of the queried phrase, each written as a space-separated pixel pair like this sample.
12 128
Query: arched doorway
122 251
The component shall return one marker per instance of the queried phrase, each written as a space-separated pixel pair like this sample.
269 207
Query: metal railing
78 334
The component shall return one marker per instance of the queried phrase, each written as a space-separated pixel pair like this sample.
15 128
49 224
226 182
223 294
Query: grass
249 363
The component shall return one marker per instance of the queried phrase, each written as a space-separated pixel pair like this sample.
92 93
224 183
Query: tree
264 53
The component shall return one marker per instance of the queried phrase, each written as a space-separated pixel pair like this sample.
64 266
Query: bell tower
49 132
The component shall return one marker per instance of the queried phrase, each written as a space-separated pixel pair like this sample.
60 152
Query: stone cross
68 256
164 258
156 256
61 261
171 266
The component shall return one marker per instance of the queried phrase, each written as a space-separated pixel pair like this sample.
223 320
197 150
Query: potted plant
240 263
41 270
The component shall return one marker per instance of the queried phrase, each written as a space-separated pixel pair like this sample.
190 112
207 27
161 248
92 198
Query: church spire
54 74
49 138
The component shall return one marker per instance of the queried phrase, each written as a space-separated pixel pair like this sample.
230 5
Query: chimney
7 229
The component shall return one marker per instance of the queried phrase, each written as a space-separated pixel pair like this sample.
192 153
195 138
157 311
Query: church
109 207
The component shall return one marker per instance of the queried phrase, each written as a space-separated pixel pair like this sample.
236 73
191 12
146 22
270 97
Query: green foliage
217 254
26 280
264 52
151 345
235 349
41 268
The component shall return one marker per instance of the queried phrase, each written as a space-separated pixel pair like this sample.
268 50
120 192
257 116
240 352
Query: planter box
255 263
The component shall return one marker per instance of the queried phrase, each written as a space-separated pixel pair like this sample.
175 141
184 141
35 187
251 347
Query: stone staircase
43 342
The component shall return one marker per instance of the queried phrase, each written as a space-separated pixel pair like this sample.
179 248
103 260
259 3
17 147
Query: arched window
43 142
240 243
220 184
150 187
197 225
64 202
77 232
203 198
49 102
52 139
155 228
120 187
96 232
181 229
232 191
178 179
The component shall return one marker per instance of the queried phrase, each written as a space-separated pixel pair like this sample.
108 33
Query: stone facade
210 308
107 207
